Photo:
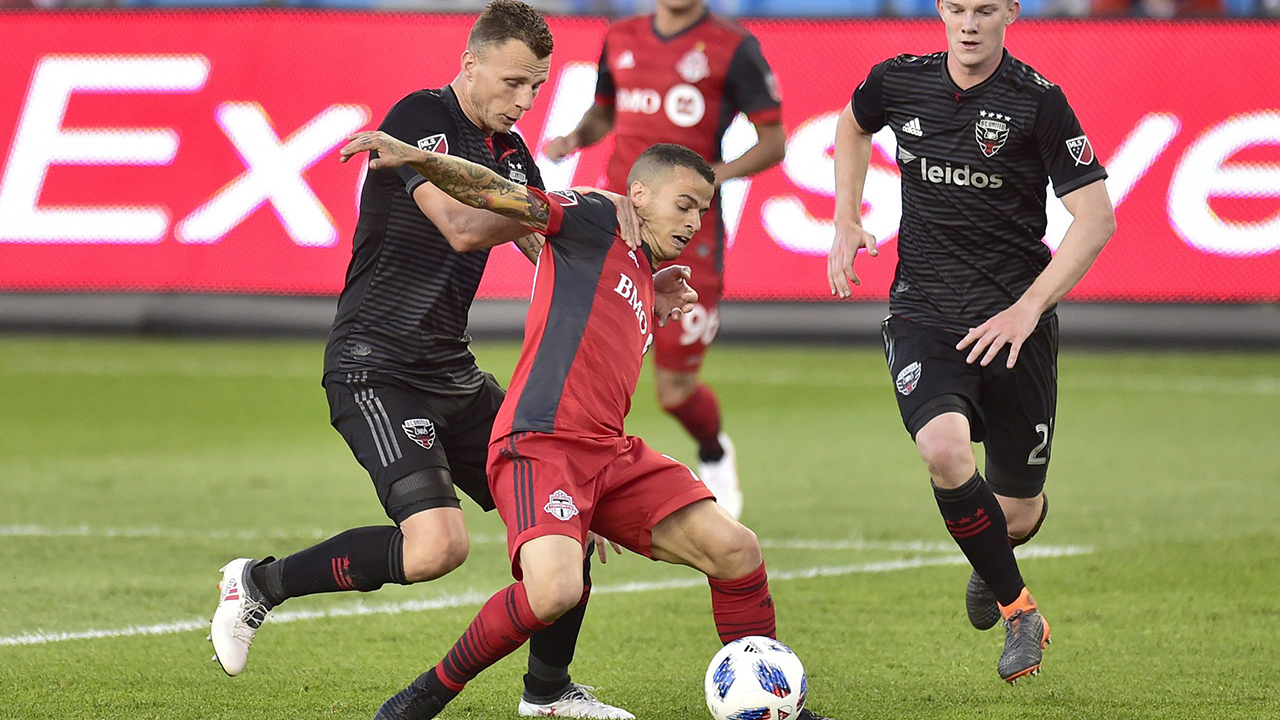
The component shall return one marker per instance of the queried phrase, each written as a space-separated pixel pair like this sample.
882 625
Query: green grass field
131 470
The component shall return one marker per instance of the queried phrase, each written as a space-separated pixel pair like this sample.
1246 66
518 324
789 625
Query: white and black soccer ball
755 678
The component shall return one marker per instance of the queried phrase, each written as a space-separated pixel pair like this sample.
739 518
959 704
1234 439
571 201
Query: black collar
1005 61
653 24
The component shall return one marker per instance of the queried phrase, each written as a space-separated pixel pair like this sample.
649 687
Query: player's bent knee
430 555
674 389
738 553
949 458
553 595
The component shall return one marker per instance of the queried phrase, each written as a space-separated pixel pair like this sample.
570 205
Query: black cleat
980 603
1026 634
807 714
415 702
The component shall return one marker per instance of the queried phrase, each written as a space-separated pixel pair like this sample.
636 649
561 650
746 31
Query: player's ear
469 62
1015 8
639 194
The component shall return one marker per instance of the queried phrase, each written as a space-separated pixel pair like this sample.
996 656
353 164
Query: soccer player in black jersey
972 335
403 387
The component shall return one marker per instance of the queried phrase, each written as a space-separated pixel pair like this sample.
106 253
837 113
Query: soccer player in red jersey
682 75
560 463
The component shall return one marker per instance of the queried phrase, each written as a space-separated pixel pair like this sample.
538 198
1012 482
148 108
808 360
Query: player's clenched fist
559 148
391 152
673 298
849 238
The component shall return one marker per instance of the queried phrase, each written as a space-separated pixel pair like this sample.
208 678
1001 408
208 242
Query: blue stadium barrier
811 8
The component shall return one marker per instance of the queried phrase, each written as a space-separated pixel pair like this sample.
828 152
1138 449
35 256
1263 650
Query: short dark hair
503 20
664 156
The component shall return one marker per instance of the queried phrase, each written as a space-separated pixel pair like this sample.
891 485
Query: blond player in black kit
972 335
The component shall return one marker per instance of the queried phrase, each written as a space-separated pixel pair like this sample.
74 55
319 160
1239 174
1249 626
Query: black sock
361 559
1044 512
977 524
711 451
551 649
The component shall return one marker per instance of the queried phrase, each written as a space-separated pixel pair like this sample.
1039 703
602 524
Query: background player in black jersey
403 387
971 338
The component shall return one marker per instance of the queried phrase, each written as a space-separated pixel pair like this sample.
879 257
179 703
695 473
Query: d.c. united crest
421 431
992 131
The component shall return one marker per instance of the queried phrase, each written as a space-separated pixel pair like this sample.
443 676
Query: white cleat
721 478
576 702
237 619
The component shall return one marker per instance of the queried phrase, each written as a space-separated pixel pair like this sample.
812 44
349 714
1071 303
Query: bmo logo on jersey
683 104
629 292
963 176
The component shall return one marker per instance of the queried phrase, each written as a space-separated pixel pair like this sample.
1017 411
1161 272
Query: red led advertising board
196 151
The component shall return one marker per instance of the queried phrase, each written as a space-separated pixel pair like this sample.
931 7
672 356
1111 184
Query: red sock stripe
970 526
341 576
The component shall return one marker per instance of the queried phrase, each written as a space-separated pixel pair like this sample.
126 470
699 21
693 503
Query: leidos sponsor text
962 176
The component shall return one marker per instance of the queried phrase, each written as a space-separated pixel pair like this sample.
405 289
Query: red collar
506 151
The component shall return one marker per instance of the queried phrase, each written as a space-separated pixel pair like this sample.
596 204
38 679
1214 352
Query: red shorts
682 346
549 484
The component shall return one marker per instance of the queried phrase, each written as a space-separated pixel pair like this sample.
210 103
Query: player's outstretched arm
1093 225
769 150
465 181
852 158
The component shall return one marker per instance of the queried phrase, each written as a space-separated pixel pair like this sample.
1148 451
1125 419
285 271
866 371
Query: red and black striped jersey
684 89
975 166
590 323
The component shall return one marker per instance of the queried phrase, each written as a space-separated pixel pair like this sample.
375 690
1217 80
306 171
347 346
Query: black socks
977 524
360 559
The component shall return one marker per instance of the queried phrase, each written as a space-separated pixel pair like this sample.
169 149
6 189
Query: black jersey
975 164
403 310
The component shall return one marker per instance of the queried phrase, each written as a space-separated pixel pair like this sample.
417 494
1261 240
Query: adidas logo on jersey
962 176
913 127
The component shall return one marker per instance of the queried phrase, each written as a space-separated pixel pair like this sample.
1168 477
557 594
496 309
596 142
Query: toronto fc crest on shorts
421 431
561 506
908 378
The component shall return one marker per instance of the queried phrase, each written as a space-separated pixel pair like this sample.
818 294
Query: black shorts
1010 411
396 430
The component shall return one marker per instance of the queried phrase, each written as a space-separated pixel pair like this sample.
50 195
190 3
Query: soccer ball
755 678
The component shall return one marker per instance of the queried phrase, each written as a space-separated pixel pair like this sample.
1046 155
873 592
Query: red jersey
685 89
589 324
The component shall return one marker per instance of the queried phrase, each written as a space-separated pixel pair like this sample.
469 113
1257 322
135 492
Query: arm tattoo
480 187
